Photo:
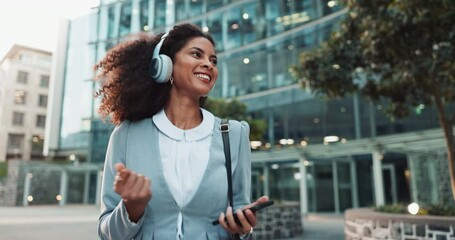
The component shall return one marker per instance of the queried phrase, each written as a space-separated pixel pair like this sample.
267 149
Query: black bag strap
224 128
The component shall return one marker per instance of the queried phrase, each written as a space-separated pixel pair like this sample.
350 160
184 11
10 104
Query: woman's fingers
130 185
251 217
229 223
245 224
259 200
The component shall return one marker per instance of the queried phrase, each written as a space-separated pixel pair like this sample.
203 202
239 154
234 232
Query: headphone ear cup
166 70
161 68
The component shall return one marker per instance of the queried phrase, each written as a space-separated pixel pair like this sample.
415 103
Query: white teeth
202 76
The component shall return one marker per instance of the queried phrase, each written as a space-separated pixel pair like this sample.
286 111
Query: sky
34 23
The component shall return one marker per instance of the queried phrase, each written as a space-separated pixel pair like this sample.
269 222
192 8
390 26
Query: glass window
247 73
40 121
44 81
160 13
25 59
234 36
214 4
111 21
144 15
22 77
107 1
44 62
214 27
20 97
18 119
181 9
37 143
42 100
196 7
272 17
330 6
15 142
248 22
284 182
125 19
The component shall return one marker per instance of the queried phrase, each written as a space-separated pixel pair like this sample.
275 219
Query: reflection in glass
144 15
181 9
196 7
233 17
214 26
111 21
125 18
160 13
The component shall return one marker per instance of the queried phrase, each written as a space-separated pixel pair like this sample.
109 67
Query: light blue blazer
135 145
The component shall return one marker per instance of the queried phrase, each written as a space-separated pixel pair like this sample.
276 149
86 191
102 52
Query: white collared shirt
184 155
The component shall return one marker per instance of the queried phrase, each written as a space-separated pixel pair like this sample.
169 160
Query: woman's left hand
247 218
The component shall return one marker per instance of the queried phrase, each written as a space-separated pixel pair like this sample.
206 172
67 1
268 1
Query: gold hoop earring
171 80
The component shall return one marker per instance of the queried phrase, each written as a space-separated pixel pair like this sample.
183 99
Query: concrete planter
366 224
281 221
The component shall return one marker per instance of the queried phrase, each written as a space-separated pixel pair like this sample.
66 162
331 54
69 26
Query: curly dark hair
127 90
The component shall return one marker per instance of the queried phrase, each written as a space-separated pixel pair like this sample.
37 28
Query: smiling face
194 69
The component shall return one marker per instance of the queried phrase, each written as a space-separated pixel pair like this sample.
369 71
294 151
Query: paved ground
79 222
49 222
323 227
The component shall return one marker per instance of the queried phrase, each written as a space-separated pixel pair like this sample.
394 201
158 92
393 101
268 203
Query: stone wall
365 224
280 221
432 179
442 175
45 182
12 184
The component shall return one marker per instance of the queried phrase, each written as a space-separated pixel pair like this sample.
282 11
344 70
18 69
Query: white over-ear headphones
160 65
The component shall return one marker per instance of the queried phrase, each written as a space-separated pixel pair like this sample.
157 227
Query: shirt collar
201 131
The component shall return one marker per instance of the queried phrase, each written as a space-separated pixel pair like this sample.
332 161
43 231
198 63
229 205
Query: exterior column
354 194
86 187
377 178
271 128
336 195
358 129
98 187
433 182
135 22
412 171
372 120
63 187
303 187
266 181
27 183
170 14
151 15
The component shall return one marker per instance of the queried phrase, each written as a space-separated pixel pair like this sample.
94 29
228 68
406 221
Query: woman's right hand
134 189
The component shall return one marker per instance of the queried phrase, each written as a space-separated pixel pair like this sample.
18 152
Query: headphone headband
160 65
156 52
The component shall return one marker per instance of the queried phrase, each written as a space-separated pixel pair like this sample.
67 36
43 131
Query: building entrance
331 186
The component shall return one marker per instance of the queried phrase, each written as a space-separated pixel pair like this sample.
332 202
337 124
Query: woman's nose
207 64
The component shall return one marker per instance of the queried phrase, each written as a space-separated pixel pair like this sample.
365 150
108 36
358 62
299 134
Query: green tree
236 110
400 51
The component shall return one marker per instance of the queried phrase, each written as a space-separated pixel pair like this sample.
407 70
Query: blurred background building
324 155
24 90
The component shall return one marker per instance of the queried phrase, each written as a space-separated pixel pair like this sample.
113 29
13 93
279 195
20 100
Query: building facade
24 89
326 155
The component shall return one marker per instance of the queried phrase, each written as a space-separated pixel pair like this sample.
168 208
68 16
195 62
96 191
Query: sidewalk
323 227
72 222
75 222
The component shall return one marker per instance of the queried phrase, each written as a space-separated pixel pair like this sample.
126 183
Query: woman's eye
196 54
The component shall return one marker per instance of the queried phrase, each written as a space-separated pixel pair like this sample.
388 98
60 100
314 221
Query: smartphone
254 209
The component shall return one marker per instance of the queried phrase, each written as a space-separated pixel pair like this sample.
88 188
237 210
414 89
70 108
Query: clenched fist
134 189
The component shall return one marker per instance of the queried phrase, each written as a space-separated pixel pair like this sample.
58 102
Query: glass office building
328 155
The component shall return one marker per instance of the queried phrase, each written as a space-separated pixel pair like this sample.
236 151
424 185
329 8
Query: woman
165 175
